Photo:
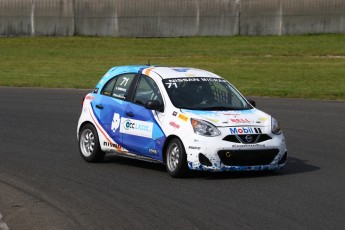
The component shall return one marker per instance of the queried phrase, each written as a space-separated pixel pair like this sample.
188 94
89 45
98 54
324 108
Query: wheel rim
173 157
87 142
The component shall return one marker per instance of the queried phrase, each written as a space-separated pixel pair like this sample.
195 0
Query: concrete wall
170 18
156 18
36 17
287 17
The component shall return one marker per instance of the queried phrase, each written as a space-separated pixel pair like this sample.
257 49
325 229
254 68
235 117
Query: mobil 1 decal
245 130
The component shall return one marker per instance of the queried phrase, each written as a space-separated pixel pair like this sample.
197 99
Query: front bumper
221 154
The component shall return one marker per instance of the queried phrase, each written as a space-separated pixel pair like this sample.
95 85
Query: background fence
170 18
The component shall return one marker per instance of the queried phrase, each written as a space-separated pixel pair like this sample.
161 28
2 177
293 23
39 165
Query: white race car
185 118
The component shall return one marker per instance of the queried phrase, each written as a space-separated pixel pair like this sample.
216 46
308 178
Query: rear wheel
176 159
89 147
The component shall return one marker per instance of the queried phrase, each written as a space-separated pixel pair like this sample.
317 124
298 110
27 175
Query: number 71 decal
124 81
171 84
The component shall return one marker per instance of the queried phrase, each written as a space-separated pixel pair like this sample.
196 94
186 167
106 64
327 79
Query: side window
122 85
118 86
147 90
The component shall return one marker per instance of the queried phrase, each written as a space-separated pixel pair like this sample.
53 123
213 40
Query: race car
185 118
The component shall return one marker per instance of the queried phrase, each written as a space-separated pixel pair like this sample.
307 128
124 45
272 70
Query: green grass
310 66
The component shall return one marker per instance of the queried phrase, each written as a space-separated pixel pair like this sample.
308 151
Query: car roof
177 72
163 72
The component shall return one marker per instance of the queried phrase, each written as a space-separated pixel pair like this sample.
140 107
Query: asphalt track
44 183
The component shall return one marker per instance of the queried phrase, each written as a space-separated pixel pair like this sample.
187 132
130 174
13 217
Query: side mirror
252 102
154 105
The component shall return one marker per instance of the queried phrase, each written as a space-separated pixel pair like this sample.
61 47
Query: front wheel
176 158
89 147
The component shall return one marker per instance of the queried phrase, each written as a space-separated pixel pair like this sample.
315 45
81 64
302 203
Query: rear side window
108 88
118 86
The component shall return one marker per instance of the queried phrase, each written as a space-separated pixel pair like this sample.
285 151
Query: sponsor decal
249 145
213 120
244 130
175 80
136 127
116 122
153 151
186 79
213 79
108 144
194 147
232 114
173 124
120 89
239 120
172 82
89 97
118 95
261 120
183 117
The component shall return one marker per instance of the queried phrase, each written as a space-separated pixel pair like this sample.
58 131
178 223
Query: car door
110 104
139 126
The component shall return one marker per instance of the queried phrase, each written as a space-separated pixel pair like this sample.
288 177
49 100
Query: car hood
252 117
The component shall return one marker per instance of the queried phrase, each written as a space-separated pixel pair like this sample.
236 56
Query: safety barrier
170 18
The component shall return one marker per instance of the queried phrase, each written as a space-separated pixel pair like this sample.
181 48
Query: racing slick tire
176 159
89 147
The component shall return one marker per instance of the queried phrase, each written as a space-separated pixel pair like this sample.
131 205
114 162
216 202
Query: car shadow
293 166
133 163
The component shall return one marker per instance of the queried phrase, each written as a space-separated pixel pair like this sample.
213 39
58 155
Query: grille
247 157
256 138
231 138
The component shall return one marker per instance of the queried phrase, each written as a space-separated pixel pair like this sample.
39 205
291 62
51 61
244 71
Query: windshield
200 93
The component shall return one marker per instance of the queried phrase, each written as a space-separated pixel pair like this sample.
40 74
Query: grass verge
309 66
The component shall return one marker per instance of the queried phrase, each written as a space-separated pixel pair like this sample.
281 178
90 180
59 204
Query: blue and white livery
185 118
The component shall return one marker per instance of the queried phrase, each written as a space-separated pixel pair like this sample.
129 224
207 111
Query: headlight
204 128
275 126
